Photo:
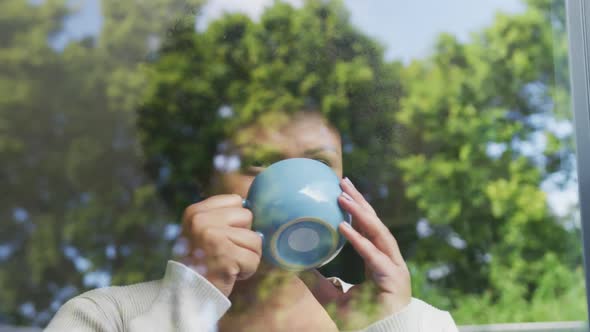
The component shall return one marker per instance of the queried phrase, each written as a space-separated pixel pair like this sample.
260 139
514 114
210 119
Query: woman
220 282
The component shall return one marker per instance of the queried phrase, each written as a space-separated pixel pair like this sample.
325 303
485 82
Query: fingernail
261 235
347 197
346 224
347 180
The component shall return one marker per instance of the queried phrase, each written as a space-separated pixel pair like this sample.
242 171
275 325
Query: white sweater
185 301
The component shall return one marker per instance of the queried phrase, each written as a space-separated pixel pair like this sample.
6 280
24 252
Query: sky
407 29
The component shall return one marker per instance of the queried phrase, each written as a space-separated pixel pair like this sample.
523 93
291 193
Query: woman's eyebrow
320 149
264 147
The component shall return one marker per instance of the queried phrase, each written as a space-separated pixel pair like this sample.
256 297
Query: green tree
493 89
25 61
76 203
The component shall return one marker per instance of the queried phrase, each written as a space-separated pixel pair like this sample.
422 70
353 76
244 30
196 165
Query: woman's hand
387 288
218 241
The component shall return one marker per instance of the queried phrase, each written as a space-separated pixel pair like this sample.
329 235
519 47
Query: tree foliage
76 207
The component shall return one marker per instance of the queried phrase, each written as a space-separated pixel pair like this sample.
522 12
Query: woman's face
276 137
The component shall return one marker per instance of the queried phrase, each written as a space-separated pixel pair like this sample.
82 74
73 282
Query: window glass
452 119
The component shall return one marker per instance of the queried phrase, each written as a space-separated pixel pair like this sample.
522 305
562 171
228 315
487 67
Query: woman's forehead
298 132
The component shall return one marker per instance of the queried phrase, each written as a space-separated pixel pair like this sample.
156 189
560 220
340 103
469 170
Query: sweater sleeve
418 316
182 301
186 302
82 314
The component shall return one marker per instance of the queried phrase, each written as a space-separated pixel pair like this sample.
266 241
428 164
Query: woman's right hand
219 243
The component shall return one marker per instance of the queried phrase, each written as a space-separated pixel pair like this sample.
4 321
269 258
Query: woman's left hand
387 288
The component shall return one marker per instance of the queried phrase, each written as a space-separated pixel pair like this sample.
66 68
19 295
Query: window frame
578 27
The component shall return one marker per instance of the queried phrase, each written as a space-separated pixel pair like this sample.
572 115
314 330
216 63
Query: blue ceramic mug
295 208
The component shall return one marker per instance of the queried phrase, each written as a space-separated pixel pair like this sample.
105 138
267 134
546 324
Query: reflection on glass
116 116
